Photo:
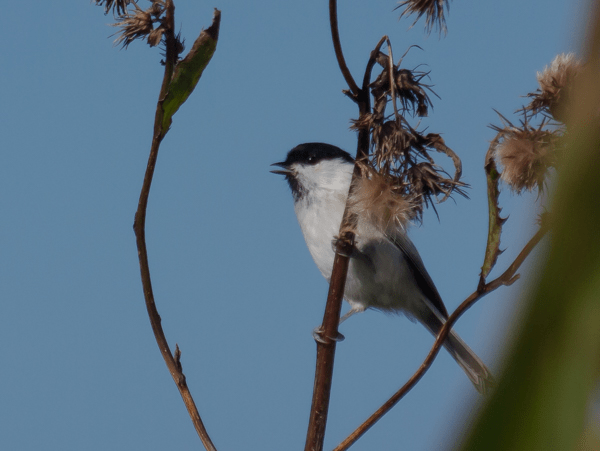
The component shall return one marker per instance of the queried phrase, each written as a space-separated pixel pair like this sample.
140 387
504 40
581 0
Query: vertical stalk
139 227
329 328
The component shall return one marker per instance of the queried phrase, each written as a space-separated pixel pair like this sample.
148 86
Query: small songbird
385 270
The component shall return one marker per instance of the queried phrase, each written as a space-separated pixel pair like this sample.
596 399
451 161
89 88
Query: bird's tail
472 365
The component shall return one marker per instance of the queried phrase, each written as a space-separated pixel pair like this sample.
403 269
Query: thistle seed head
526 155
555 82
376 198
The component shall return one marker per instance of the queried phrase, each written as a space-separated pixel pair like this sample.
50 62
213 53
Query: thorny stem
495 222
139 226
507 278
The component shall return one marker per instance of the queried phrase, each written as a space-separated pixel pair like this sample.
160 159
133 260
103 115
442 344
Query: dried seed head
526 156
403 153
555 83
411 92
155 36
139 24
376 198
428 180
120 6
399 164
365 122
433 10
406 86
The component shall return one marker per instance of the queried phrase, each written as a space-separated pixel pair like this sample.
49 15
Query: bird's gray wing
417 267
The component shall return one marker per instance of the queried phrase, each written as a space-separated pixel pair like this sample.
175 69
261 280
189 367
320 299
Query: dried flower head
403 84
401 156
555 83
430 181
140 23
403 152
377 198
526 155
155 36
399 153
120 6
433 10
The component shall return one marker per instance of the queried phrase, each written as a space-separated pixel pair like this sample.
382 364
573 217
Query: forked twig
507 278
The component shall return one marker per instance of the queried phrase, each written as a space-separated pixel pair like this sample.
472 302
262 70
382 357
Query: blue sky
233 280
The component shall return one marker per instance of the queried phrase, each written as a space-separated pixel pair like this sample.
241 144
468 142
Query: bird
385 270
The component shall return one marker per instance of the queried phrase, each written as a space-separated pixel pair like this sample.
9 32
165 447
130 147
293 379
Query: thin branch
392 79
507 278
173 363
335 36
371 63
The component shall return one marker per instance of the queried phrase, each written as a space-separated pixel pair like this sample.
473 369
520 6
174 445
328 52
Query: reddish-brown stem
507 278
326 347
329 330
139 227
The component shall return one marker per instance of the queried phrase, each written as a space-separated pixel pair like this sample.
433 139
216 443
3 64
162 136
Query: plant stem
329 329
139 226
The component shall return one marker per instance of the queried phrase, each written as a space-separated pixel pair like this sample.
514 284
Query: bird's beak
283 171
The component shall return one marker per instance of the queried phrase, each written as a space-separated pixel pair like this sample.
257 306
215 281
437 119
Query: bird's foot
343 246
320 338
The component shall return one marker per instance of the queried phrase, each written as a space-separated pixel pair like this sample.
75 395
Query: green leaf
551 374
189 70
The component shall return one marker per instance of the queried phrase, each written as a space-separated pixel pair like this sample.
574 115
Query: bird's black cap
307 153
312 153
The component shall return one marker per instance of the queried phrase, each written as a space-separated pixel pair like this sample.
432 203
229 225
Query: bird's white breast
320 218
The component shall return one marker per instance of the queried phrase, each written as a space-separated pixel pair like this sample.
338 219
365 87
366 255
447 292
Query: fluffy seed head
555 83
375 198
526 158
